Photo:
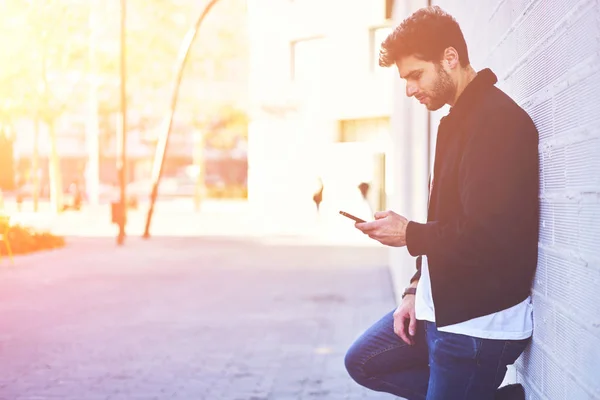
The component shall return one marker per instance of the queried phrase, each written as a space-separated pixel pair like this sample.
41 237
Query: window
377 35
306 58
364 130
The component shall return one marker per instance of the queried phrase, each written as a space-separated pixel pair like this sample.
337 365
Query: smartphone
352 217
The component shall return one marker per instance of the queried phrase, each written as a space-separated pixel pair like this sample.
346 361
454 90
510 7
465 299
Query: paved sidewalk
188 318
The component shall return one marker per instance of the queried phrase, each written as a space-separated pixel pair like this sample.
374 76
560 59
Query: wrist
409 291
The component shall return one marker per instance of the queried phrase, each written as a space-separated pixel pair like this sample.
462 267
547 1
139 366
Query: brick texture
547 57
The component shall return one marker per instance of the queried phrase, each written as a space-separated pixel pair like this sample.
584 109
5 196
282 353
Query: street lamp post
161 148
122 140
92 178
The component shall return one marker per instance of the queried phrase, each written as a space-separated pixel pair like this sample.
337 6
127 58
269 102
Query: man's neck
464 78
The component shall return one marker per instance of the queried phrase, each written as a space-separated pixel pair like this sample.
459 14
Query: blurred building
320 107
215 77
545 54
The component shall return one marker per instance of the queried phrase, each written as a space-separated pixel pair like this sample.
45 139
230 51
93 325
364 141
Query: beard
443 90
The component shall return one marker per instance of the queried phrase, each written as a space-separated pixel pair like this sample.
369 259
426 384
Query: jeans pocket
453 345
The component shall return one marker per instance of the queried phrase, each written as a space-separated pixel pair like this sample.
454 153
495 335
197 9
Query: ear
450 58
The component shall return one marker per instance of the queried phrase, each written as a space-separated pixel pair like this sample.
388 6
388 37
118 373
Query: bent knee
355 366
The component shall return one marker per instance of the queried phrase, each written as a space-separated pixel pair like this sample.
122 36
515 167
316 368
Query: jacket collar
472 93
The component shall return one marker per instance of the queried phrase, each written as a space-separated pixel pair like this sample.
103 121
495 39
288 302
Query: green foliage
45 54
229 126
43 57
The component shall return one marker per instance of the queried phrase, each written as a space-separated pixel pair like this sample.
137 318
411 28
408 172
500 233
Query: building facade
320 108
546 56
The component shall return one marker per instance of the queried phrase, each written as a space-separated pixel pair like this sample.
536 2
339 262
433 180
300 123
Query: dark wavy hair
425 34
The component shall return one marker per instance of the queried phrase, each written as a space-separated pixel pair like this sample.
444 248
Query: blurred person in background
318 195
466 314
364 187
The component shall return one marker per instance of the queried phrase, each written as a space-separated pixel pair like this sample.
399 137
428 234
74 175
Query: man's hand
388 228
405 316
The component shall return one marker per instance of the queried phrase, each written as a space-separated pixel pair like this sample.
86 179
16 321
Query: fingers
367 227
398 323
412 327
377 223
400 328
404 333
381 214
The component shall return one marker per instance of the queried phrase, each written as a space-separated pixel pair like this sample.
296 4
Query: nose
411 90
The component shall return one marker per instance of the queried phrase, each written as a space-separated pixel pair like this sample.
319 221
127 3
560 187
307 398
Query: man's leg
467 368
381 361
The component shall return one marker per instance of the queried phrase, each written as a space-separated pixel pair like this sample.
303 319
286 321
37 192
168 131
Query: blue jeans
439 366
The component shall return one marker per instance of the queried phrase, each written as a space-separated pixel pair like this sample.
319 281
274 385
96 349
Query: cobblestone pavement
188 318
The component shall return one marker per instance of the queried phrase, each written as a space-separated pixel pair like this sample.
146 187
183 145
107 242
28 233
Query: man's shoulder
499 106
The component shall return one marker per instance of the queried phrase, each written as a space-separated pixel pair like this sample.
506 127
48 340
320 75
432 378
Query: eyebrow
410 74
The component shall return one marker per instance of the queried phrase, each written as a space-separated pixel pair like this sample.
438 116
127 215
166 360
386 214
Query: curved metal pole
161 148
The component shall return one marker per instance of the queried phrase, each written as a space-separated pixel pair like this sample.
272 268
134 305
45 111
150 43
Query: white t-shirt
514 323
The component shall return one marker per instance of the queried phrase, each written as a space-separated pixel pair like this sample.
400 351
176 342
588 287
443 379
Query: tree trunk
56 191
200 190
35 166
92 178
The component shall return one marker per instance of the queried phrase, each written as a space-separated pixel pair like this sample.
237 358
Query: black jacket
482 232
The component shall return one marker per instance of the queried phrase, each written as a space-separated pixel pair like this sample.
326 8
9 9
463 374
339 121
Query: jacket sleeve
417 274
494 172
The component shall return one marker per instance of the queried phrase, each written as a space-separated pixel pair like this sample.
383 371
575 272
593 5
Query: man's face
427 81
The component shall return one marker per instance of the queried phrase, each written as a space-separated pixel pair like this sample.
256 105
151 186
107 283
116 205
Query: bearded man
466 314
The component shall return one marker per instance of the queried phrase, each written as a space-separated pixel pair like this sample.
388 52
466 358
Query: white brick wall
546 54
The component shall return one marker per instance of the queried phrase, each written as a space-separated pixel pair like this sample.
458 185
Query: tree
217 59
7 164
227 128
45 71
44 56
43 66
